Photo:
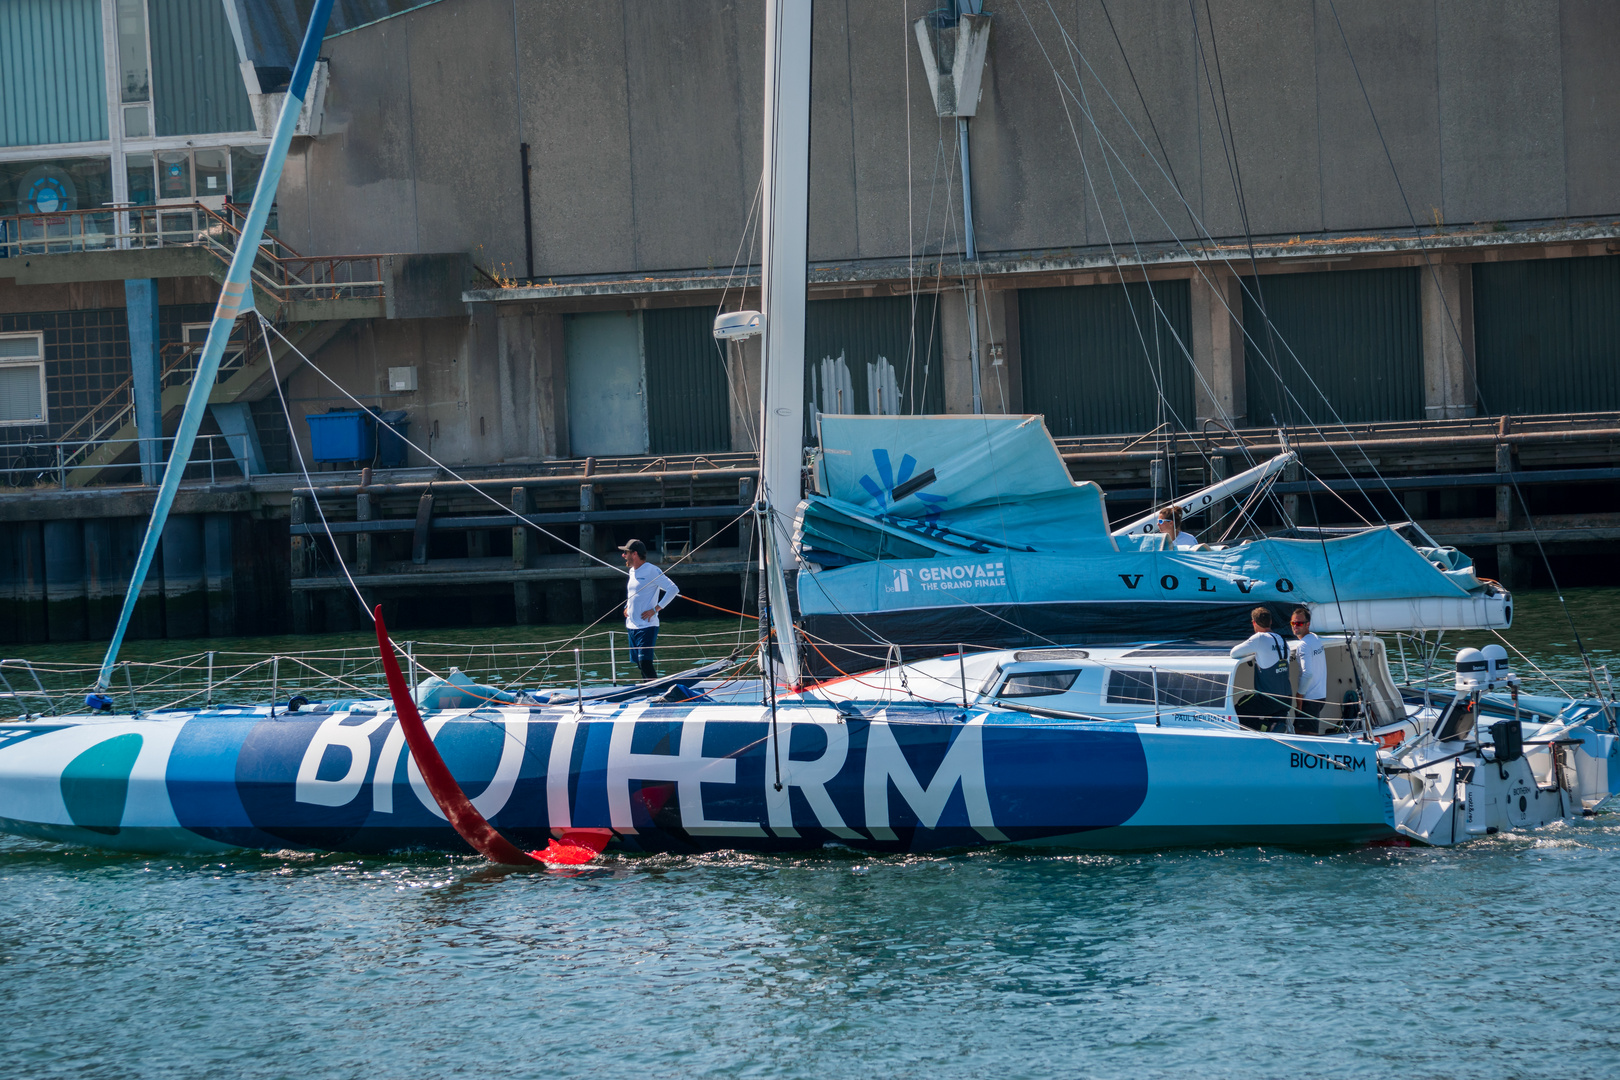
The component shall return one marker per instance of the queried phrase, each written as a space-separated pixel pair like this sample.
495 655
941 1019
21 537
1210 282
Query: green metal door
688 403
1547 335
876 355
1107 359
1343 345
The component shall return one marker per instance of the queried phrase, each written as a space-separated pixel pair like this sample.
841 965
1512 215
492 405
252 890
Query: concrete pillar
362 541
524 593
185 597
1506 570
1290 502
22 582
1449 389
103 585
146 372
1220 391
995 390
64 580
147 619
587 542
297 568
219 573
1218 469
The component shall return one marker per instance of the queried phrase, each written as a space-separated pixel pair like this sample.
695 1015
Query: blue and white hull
683 778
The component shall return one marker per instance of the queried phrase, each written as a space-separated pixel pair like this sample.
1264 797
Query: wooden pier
261 555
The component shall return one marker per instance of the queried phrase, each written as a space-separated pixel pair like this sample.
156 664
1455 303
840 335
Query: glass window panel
246 164
20 398
212 172
1038 684
142 172
1177 689
55 186
14 348
133 68
137 122
174 175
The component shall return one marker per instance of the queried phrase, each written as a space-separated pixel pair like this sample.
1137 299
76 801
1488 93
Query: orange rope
717 607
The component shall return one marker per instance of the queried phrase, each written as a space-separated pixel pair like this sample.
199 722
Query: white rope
275 377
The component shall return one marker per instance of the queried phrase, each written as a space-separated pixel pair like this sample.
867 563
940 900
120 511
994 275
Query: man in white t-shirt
648 591
1312 696
1169 526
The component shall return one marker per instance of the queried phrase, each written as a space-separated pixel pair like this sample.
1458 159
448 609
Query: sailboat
924 754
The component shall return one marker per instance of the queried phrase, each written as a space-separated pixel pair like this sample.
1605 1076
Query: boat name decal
1170 582
1333 762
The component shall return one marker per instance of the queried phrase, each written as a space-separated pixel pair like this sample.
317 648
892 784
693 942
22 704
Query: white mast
785 239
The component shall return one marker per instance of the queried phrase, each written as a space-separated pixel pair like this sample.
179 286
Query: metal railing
222 677
40 465
277 268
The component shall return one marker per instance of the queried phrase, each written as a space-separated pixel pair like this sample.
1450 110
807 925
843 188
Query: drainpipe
953 57
971 253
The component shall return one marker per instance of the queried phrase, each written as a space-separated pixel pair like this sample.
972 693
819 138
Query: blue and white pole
234 297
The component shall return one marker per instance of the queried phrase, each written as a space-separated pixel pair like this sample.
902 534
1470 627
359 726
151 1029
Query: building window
142 179
134 65
55 187
48 193
22 379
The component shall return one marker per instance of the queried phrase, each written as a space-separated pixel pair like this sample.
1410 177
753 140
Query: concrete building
513 220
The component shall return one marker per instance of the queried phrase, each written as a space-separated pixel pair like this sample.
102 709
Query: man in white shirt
1170 528
1267 708
1312 696
648 592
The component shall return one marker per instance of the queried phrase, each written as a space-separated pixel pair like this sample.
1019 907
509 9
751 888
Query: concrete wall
644 123
493 385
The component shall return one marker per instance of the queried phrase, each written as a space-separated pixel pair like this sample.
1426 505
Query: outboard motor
1473 671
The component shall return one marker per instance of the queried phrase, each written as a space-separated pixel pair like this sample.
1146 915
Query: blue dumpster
346 435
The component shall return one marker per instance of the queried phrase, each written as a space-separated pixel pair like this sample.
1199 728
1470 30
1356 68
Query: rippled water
1497 959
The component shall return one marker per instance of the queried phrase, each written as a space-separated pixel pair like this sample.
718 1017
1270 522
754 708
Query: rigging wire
275 377
1451 319
1081 103
1197 263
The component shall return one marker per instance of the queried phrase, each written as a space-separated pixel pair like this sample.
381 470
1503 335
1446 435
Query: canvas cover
945 512
918 486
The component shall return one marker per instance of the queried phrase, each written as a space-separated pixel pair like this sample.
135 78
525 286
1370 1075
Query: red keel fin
458 809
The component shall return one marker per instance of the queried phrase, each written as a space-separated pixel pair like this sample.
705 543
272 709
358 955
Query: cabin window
1038 683
22 379
1177 689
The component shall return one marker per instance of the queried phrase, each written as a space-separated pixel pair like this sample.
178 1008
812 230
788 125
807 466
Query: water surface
1497 959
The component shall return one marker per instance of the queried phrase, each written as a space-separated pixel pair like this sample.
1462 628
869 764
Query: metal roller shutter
688 403
1096 356
1547 335
1354 337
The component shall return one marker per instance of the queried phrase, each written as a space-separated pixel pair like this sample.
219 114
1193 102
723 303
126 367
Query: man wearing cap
648 592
